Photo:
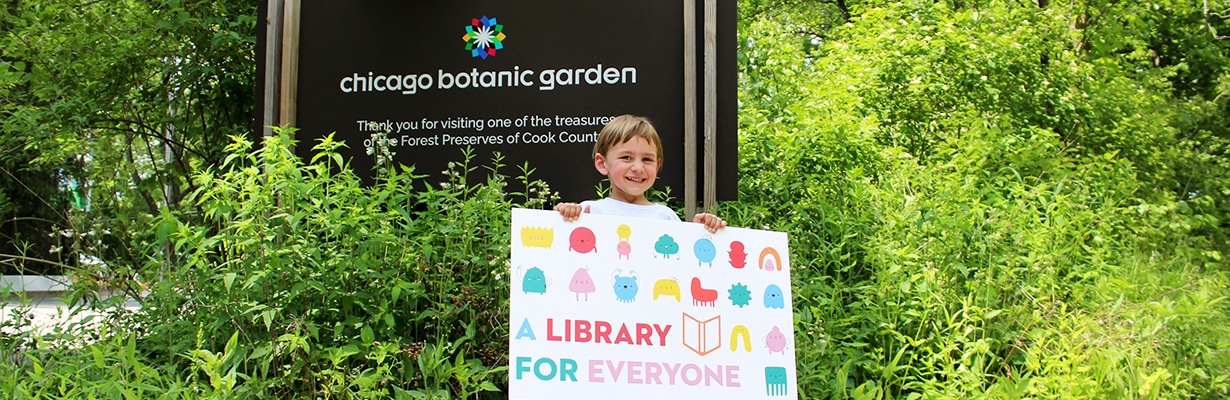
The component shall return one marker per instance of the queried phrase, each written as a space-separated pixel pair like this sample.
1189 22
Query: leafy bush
298 279
968 222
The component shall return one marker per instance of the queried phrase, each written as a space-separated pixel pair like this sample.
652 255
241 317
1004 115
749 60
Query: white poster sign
626 308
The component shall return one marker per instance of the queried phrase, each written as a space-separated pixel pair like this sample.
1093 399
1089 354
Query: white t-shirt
609 206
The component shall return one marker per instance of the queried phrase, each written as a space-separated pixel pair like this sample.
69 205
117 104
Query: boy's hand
712 222
571 211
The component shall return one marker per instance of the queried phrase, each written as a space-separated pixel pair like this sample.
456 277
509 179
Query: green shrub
337 288
955 232
299 280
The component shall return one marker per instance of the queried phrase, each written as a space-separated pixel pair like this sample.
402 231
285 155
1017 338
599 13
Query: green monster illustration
739 295
666 246
775 381
534 281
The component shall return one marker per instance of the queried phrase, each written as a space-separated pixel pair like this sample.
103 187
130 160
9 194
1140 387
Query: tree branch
143 133
1208 24
16 219
809 33
9 258
136 178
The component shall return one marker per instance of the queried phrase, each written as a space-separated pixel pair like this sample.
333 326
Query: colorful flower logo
483 37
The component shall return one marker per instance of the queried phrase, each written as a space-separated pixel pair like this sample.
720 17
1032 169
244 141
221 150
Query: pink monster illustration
776 341
581 240
581 283
624 249
738 258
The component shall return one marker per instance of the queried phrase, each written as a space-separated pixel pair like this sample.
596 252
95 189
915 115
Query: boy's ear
600 163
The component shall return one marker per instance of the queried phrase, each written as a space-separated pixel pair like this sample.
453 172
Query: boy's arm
571 211
712 222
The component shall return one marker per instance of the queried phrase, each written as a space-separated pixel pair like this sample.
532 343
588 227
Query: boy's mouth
637 180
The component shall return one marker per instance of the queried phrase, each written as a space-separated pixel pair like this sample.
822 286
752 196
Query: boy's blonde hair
622 129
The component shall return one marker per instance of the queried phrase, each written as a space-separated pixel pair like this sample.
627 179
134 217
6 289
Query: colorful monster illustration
581 240
773 297
738 258
705 251
624 231
625 286
775 383
581 283
666 287
739 295
534 281
776 341
770 264
666 246
702 296
739 332
624 249
532 236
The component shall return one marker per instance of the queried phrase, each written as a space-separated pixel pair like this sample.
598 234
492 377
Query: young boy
629 152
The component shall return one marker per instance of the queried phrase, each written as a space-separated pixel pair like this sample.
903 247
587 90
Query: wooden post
689 108
710 104
290 63
273 39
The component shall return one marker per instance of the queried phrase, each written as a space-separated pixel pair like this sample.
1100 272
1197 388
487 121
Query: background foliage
987 199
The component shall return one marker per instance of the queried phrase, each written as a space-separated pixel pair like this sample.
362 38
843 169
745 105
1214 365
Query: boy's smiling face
632 167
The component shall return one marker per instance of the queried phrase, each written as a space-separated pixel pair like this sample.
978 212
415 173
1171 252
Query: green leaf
100 361
228 280
37 365
267 317
231 343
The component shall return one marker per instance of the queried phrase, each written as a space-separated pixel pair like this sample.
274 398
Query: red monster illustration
581 240
738 258
702 296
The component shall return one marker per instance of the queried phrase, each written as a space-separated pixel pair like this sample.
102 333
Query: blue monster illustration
534 281
666 246
773 297
705 251
625 287
775 382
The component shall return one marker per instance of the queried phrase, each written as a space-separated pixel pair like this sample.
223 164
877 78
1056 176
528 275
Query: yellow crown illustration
533 236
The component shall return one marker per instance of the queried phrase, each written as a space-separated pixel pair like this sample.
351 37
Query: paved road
49 312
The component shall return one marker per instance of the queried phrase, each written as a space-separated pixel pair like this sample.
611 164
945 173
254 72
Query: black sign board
533 80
